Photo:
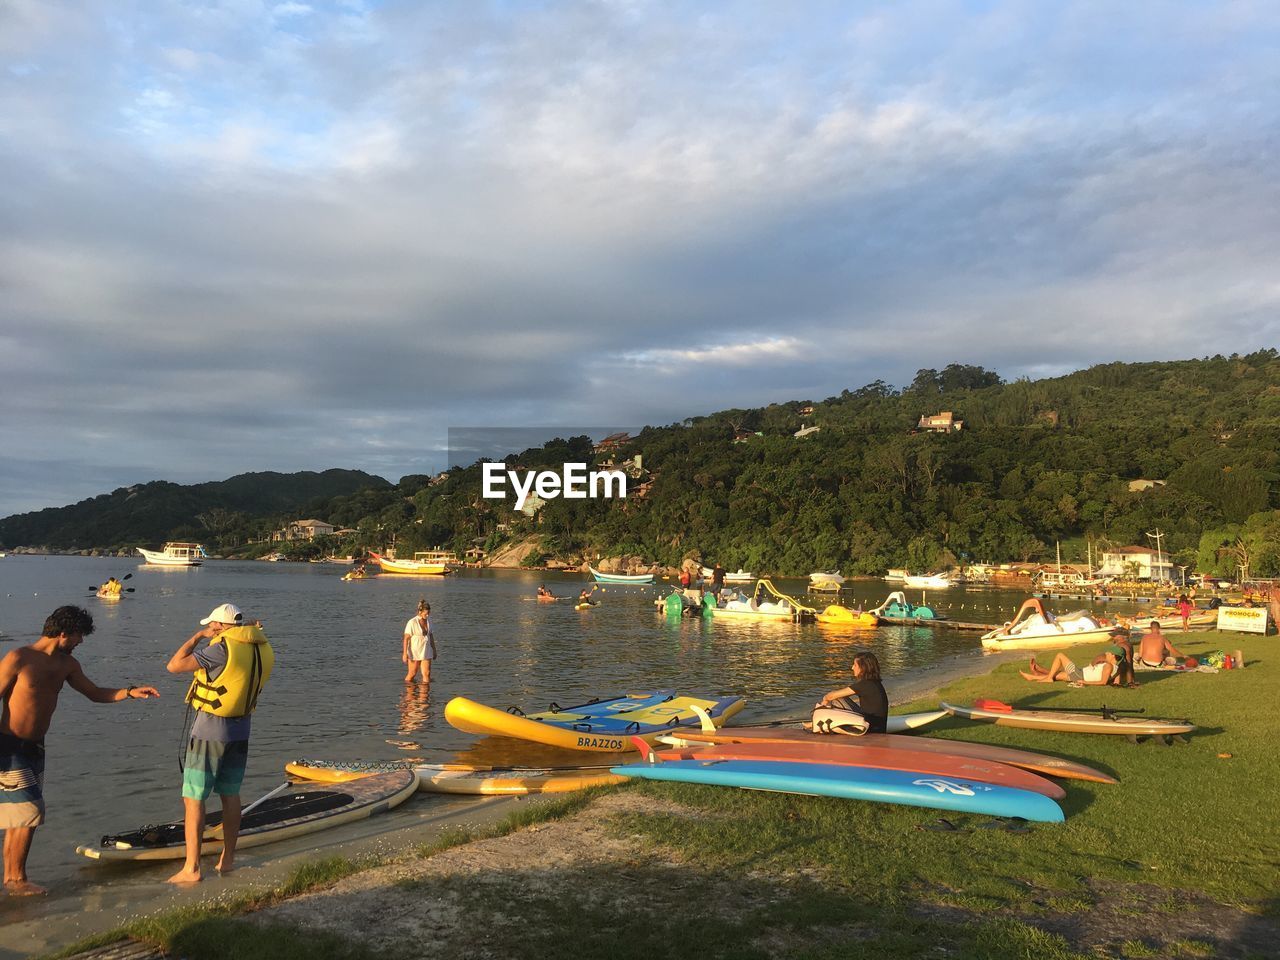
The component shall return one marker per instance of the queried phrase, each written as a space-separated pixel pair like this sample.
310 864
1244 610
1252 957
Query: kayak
464 778
1072 722
822 750
909 788
1026 759
602 725
304 808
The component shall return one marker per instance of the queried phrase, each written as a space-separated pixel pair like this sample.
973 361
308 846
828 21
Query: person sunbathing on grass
1062 668
1155 650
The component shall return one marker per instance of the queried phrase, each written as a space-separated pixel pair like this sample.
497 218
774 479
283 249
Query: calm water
337 691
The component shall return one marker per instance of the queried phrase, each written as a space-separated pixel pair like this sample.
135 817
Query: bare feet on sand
23 888
185 876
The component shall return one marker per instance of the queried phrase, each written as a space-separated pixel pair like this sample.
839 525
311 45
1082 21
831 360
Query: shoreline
91 907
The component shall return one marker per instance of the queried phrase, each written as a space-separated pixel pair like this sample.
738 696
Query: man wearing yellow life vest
229 674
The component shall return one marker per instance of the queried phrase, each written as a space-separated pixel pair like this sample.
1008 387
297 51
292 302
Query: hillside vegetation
227 511
1036 462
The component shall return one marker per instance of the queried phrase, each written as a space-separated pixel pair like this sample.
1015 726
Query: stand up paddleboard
304 808
463 778
1026 759
909 788
599 725
1067 721
879 758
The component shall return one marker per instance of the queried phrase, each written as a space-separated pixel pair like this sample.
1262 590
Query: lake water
338 692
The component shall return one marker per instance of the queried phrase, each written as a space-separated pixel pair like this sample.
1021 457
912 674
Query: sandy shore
111 895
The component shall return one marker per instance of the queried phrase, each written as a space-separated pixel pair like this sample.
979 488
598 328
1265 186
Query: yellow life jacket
235 692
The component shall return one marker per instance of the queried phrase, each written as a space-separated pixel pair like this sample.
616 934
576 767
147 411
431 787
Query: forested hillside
1035 462
228 510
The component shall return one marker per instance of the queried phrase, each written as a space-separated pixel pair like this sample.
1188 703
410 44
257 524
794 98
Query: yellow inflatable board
604 726
463 778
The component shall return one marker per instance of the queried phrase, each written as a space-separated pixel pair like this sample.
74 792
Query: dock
939 623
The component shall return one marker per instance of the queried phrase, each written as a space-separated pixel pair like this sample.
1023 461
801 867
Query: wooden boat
176 554
424 563
634 578
1034 628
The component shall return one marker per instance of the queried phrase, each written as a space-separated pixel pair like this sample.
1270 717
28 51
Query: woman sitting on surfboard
1062 668
872 702
544 593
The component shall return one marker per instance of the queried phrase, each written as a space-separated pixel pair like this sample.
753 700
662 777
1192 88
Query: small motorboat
176 554
928 581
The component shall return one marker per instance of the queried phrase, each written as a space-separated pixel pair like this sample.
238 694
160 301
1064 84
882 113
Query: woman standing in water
419 647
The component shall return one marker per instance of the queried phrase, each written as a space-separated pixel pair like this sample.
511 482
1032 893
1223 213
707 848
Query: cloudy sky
247 235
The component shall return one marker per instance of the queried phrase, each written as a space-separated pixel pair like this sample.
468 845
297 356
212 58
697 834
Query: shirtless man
31 678
1155 647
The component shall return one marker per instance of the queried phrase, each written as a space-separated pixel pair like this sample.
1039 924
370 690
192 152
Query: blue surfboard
855 783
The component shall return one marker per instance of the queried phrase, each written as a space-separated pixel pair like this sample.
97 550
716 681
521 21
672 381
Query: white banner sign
1243 619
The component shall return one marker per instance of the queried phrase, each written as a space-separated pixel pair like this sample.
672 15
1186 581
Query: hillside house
1141 563
612 442
944 422
1138 486
302 530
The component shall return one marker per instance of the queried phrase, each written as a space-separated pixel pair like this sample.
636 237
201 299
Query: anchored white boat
742 576
176 554
1035 628
929 581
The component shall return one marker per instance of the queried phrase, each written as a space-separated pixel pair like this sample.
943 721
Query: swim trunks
21 782
212 766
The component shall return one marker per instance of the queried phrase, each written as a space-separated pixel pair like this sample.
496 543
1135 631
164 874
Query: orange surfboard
1026 759
882 758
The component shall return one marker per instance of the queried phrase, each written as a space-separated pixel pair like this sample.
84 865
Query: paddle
127 576
999 706
123 589
216 832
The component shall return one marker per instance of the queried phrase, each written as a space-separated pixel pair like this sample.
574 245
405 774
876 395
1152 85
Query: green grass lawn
1182 816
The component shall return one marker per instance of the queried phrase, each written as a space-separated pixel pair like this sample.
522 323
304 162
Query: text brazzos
574 482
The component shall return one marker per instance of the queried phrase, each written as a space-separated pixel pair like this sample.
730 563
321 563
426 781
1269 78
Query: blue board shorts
21 782
212 766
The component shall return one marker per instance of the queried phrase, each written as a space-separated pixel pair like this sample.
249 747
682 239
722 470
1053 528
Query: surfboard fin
704 718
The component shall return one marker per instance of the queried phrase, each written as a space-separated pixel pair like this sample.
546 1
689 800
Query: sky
248 235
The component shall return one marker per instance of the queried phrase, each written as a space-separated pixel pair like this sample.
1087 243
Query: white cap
227 613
